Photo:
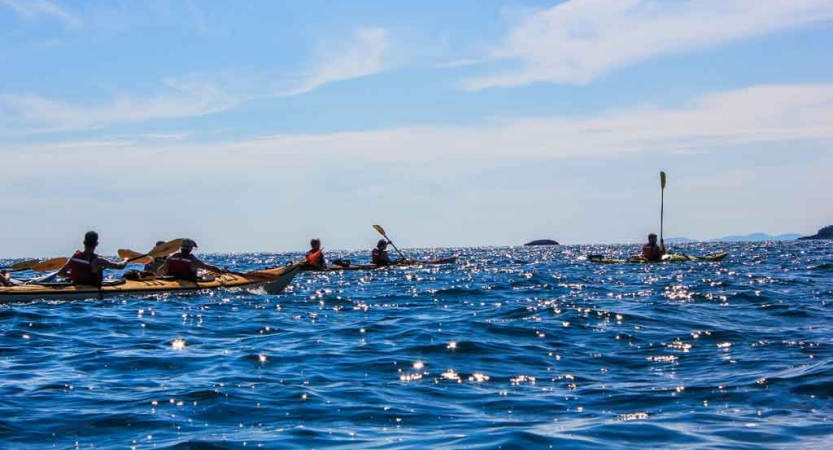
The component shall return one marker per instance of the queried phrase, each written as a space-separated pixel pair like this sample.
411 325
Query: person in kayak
651 251
315 255
87 268
380 256
184 265
157 262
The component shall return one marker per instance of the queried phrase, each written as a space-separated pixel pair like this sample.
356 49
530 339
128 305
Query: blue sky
254 126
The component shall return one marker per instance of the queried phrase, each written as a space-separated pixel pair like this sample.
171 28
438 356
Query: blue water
510 348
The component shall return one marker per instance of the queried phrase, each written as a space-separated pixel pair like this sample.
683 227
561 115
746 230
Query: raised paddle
160 250
382 232
661 203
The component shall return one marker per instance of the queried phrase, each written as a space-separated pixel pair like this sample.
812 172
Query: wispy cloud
33 9
360 56
579 41
201 94
183 99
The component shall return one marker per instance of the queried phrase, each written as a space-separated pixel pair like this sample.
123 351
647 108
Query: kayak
669 258
337 268
273 281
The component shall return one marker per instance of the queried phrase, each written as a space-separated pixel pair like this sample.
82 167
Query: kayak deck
669 258
273 281
334 268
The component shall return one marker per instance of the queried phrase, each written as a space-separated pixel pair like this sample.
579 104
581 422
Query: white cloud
360 56
32 9
760 114
579 41
184 99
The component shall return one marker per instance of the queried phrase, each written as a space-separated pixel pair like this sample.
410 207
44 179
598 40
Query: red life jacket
181 266
314 258
81 269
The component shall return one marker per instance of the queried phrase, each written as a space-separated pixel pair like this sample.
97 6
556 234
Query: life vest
81 269
648 252
380 257
181 266
314 258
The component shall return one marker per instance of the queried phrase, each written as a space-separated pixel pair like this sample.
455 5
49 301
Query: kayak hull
273 281
671 258
432 262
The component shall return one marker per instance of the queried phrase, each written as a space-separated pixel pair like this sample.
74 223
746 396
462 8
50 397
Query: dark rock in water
824 233
543 242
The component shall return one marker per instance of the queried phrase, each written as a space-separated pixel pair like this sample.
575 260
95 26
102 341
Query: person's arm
100 263
208 267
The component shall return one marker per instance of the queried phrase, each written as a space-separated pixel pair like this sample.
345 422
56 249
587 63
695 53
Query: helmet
189 243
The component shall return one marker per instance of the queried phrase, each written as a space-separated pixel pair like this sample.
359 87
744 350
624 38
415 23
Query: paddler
87 268
184 265
157 262
315 255
380 256
651 251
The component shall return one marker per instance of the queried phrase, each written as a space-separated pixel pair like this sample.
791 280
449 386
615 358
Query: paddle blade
49 265
380 230
24 265
662 179
135 257
165 249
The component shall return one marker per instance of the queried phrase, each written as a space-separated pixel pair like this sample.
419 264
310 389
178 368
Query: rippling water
510 348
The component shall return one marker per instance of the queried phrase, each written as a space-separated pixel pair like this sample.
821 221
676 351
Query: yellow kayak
273 281
669 258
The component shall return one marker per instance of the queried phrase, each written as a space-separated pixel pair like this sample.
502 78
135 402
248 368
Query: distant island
543 242
824 233
753 237
758 237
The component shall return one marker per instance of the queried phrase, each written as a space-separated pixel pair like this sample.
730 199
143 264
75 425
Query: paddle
49 265
382 232
662 181
135 257
22 265
160 250
38 266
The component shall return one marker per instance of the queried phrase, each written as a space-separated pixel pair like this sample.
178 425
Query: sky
255 126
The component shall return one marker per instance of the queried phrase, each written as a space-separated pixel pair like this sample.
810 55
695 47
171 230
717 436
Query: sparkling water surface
509 348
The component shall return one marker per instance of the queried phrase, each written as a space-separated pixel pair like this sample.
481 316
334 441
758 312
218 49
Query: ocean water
509 348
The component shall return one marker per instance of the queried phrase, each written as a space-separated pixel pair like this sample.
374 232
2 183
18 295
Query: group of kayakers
378 257
85 267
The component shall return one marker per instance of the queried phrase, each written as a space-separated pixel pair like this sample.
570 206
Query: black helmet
382 243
